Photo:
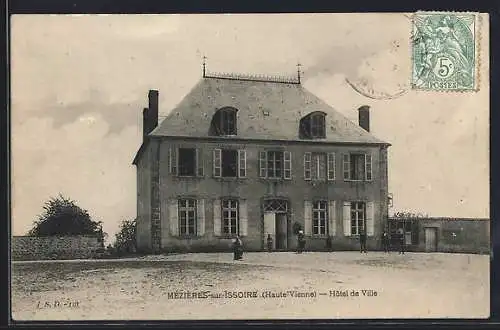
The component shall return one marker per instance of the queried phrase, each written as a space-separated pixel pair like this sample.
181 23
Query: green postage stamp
444 51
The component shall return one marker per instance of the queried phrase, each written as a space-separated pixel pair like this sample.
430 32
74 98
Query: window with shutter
368 167
331 166
346 214
243 218
346 166
307 166
217 163
332 219
217 217
201 217
357 167
263 164
287 155
275 164
370 218
200 162
173 160
173 217
242 169
307 217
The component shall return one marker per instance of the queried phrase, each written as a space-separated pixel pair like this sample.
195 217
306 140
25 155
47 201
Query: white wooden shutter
307 166
200 220
347 218
172 155
173 211
370 215
346 164
368 167
307 217
332 218
263 164
331 166
200 162
217 163
217 217
242 163
243 218
287 164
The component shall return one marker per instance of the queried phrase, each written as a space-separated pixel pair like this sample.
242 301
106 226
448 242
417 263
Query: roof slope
286 104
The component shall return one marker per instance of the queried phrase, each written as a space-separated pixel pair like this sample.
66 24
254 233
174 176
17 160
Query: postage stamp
444 51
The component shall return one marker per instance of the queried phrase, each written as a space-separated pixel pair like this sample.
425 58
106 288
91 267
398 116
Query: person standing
300 241
237 248
362 241
269 243
385 241
401 239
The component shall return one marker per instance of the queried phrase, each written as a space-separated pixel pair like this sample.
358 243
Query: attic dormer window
224 122
312 126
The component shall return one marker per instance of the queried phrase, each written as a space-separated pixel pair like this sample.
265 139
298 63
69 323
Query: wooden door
430 239
281 231
270 228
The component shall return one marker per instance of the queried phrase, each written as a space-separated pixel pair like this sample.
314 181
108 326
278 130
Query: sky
79 84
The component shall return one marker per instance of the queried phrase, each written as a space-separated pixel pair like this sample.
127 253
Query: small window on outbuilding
312 126
224 122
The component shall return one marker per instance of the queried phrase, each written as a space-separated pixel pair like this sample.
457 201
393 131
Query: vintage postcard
274 166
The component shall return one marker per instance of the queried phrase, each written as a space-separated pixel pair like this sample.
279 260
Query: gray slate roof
286 104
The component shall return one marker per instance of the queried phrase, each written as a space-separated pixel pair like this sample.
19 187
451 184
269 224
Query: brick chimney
150 114
364 117
145 128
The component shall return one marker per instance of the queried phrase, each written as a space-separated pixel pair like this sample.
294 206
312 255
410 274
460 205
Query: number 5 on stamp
444 51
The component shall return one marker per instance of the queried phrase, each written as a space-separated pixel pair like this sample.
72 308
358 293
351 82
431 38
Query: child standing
269 243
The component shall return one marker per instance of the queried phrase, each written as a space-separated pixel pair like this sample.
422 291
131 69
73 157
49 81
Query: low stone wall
62 247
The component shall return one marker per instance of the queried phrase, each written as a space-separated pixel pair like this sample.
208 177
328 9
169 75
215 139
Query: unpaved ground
414 285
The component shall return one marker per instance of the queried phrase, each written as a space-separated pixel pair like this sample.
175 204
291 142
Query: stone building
444 234
257 156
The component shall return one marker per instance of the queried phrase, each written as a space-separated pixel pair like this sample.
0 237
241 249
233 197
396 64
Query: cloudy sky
79 84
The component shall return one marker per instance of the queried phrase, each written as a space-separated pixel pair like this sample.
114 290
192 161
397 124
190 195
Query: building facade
257 157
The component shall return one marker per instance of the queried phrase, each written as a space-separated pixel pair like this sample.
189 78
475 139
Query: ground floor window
319 217
229 216
187 216
358 217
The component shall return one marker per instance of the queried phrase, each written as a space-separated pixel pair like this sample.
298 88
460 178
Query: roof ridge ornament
252 77
204 65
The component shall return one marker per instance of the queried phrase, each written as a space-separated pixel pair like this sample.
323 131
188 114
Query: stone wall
456 235
63 247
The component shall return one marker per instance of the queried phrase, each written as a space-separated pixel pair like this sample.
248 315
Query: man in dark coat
401 241
237 248
301 242
385 241
362 241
